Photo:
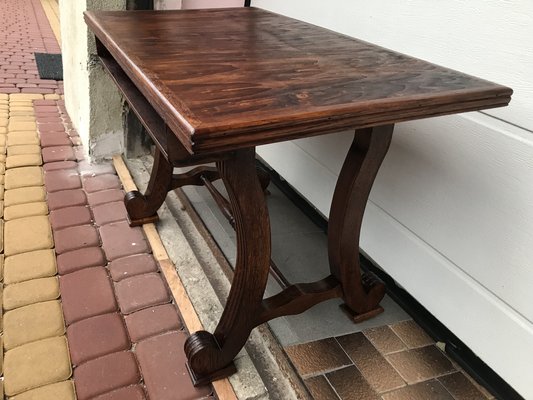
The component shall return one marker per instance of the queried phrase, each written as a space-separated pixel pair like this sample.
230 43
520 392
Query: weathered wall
91 98
450 216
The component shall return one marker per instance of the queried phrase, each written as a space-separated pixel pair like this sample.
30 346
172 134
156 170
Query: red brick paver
104 374
97 336
126 267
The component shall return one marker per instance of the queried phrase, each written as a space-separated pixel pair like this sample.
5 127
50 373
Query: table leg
142 208
209 355
362 294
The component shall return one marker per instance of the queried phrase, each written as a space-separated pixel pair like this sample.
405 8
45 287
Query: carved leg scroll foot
142 208
210 356
202 351
361 293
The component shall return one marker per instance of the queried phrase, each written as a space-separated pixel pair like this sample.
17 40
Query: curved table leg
209 355
362 294
142 208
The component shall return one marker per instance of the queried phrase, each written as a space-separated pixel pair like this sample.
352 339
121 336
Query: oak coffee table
211 85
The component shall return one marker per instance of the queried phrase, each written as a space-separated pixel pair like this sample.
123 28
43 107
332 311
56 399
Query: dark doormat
50 66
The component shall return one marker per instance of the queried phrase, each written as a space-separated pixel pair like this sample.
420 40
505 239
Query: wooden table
210 85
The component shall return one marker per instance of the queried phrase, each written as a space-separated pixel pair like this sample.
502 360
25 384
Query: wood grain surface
229 78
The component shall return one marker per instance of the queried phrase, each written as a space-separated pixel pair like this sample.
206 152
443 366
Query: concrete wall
92 100
450 216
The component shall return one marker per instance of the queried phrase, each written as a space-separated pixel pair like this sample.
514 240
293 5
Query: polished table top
230 78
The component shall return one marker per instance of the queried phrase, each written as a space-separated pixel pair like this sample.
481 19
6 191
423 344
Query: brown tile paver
120 240
105 196
351 385
56 391
63 179
97 336
126 267
25 210
31 265
105 374
24 195
34 322
109 212
320 388
36 364
23 177
316 357
86 293
461 387
374 367
421 364
129 393
162 362
30 292
385 340
76 237
141 291
422 391
79 259
411 334
70 216
66 198
36 232
152 321
101 182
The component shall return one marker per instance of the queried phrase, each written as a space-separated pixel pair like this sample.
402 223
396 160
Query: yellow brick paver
22 138
33 322
4 122
23 160
1 268
24 149
36 364
30 292
23 177
31 194
23 108
57 391
31 265
27 234
20 119
25 96
25 210
2 191
52 96
21 126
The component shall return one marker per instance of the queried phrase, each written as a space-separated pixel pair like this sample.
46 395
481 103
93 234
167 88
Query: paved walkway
86 311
